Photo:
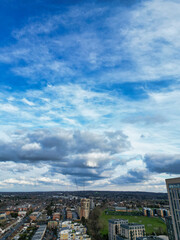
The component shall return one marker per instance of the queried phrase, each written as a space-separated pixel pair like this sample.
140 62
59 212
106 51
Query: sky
89 95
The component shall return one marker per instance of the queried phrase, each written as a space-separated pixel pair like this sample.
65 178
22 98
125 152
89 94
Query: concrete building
173 189
148 212
114 227
131 231
170 229
85 208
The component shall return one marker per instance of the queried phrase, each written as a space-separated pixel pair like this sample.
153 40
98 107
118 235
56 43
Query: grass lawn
151 224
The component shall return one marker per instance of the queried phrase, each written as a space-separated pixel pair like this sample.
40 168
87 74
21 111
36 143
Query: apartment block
114 227
85 208
132 231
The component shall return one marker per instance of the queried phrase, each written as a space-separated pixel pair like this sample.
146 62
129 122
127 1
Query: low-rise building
72 231
22 213
69 214
56 216
52 224
2 216
34 215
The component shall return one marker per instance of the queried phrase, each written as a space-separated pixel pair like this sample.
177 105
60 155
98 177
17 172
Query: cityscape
89 215
89 120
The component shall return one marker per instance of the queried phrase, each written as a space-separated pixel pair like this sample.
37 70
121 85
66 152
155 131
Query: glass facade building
170 229
173 189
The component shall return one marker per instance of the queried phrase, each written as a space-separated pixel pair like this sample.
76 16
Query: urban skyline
89 95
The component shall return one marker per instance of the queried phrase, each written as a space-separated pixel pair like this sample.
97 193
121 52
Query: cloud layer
82 154
90 94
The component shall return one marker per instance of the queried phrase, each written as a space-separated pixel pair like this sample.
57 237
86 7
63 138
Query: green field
151 224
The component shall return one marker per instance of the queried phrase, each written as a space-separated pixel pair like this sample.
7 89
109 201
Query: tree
14 215
83 220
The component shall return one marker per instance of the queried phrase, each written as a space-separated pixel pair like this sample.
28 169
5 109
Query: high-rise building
85 208
170 229
173 189
114 227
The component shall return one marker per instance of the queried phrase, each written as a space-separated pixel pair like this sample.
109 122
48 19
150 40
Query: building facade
170 229
173 189
132 231
85 208
114 227
148 212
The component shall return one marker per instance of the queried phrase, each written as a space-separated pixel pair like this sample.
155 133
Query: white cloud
24 100
31 146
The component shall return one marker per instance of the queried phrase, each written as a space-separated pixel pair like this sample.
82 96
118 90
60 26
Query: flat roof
132 225
117 220
173 180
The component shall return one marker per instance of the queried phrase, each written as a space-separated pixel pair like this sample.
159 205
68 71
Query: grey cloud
81 154
133 176
163 163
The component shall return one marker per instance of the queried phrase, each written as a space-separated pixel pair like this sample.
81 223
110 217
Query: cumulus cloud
163 163
82 154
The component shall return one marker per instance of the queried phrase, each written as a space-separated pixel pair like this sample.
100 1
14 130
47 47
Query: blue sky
89 95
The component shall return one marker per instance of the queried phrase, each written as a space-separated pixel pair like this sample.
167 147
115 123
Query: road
13 229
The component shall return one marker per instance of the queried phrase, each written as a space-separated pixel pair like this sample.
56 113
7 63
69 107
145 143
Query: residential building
148 212
131 231
22 213
120 209
85 208
34 216
52 224
163 212
68 213
2 216
173 189
72 231
56 216
114 227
